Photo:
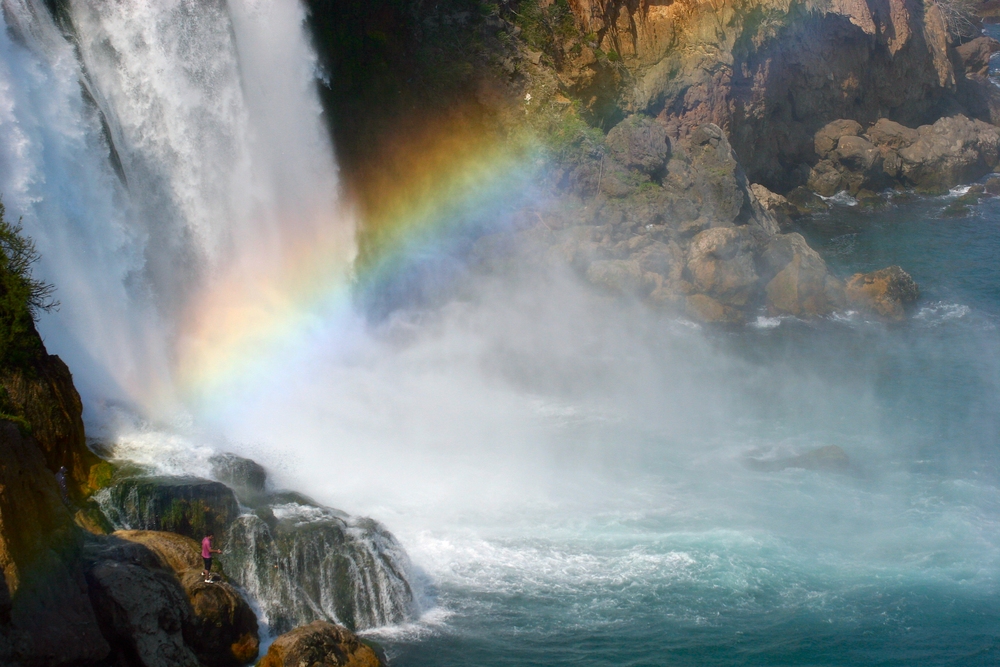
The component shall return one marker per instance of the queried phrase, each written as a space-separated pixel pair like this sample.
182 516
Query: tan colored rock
706 309
721 262
320 644
885 292
617 275
801 285
176 552
826 138
891 134
975 55
775 204
825 179
951 151
856 153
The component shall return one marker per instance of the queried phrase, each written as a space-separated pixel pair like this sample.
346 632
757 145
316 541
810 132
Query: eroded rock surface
320 644
885 292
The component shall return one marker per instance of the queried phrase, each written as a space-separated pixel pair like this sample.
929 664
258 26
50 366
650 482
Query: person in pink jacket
206 555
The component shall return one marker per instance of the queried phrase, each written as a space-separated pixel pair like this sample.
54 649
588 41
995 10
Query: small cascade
298 560
303 563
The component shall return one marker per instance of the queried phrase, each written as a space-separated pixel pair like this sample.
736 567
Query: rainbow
433 192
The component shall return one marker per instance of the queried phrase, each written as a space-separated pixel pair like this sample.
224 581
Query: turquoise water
673 552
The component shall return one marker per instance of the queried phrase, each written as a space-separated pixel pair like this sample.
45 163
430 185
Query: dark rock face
884 293
156 608
185 505
46 602
320 644
43 392
640 143
142 608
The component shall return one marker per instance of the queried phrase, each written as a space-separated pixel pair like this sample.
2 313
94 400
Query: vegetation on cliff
22 296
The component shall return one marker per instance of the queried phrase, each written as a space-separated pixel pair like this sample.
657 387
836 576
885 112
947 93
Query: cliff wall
770 73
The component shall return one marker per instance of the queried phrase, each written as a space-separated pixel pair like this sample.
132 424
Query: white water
214 116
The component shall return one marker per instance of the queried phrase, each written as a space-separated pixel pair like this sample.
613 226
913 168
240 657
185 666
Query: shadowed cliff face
41 391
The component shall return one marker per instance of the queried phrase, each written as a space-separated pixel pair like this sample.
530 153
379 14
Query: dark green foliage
545 26
21 296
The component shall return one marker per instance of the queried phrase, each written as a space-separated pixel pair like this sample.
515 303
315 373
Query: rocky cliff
769 73
666 122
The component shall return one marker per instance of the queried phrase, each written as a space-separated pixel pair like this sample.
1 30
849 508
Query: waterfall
168 158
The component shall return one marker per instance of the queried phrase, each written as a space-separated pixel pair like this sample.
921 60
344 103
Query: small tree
22 297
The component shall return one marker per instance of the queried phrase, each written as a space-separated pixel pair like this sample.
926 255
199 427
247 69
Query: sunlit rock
884 293
320 644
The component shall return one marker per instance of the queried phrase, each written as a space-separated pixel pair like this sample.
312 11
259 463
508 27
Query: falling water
158 150
161 153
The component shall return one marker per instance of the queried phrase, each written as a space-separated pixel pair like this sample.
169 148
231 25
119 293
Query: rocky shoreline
77 591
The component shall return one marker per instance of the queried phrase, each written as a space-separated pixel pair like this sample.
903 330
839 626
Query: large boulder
951 151
320 644
799 283
222 629
142 607
721 263
828 137
223 632
720 186
185 505
885 292
975 55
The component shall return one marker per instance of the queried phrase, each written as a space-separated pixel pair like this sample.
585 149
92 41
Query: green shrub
22 297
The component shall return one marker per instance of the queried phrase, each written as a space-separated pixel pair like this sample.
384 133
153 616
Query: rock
186 505
42 391
884 292
828 137
825 179
975 55
856 153
719 185
320 644
223 632
830 459
706 309
174 552
778 206
245 477
891 134
800 285
142 607
221 628
623 276
640 143
951 151
721 263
